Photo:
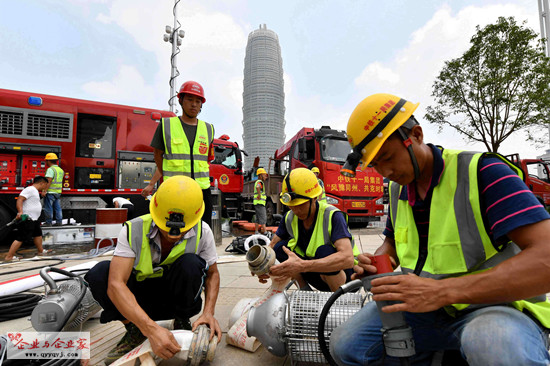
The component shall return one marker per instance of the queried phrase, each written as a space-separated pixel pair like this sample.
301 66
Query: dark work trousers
313 278
176 293
207 215
130 212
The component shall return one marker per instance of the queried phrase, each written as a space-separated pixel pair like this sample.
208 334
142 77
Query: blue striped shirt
506 202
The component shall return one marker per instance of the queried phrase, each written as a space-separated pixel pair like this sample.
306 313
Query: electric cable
350 286
17 306
60 261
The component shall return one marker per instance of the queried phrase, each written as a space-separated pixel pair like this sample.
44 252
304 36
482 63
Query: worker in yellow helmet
323 196
313 243
52 199
472 240
160 264
259 201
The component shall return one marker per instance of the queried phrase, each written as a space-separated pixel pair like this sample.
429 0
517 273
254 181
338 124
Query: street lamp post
544 17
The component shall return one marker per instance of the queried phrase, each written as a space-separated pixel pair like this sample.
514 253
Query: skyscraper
263 97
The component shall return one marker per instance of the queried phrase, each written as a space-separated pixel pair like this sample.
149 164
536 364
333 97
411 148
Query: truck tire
5 217
269 210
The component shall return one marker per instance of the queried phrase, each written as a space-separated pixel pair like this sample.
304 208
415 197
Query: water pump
65 306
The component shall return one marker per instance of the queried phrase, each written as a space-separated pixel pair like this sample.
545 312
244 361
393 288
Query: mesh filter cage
303 319
88 307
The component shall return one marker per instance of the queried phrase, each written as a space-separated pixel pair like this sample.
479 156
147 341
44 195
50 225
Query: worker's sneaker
180 323
129 341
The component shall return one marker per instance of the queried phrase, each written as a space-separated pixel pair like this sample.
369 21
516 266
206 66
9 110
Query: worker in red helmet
184 145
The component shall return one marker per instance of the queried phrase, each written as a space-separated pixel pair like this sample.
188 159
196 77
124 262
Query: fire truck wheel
5 217
269 210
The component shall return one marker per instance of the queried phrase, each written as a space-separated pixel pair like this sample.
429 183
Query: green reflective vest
57 181
458 243
178 158
263 197
321 232
323 196
138 238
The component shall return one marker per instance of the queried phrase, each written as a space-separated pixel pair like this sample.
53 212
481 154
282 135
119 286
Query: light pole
544 17
174 35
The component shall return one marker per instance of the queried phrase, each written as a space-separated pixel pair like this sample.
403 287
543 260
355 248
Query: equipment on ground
300 324
65 306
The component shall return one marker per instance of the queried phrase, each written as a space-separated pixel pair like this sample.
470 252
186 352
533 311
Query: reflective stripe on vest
57 181
177 155
323 196
138 238
321 232
458 243
263 197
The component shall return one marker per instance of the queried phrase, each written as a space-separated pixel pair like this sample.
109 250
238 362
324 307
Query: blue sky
335 53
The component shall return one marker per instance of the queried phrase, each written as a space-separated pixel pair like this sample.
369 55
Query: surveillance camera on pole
174 36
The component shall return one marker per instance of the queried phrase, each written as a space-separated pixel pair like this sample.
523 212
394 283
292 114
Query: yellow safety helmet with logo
299 186
315 170
177 205
51 156
260 171
370 125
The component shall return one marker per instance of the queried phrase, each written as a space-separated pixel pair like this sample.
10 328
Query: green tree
497 87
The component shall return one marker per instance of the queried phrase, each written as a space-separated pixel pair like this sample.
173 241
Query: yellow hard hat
261 171
51 156
315 170
303 186
374 120
177 205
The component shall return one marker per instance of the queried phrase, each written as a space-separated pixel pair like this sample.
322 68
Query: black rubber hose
59 261
17 306
350 286
321 326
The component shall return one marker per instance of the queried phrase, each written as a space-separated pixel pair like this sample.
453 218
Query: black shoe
129 341
180 323
58 224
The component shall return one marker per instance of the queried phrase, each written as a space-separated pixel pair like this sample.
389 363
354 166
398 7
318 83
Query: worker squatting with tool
471 238
313 243
184 145
160 264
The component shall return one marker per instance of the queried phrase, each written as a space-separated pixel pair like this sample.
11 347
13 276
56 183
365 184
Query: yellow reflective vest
57 180
458 243
321 232
263 197
178 159
138 238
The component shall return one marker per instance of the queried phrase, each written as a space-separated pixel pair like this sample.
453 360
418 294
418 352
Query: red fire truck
103 149
360 197
226 171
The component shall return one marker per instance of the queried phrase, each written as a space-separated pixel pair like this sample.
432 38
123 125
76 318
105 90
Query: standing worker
323 196
259 201
183 145
471 238
313 243
28 203
161 263
52 201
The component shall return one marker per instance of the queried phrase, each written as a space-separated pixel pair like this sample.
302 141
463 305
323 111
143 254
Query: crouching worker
313 243
158 269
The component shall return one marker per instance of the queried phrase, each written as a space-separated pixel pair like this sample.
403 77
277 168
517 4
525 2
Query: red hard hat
194 88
